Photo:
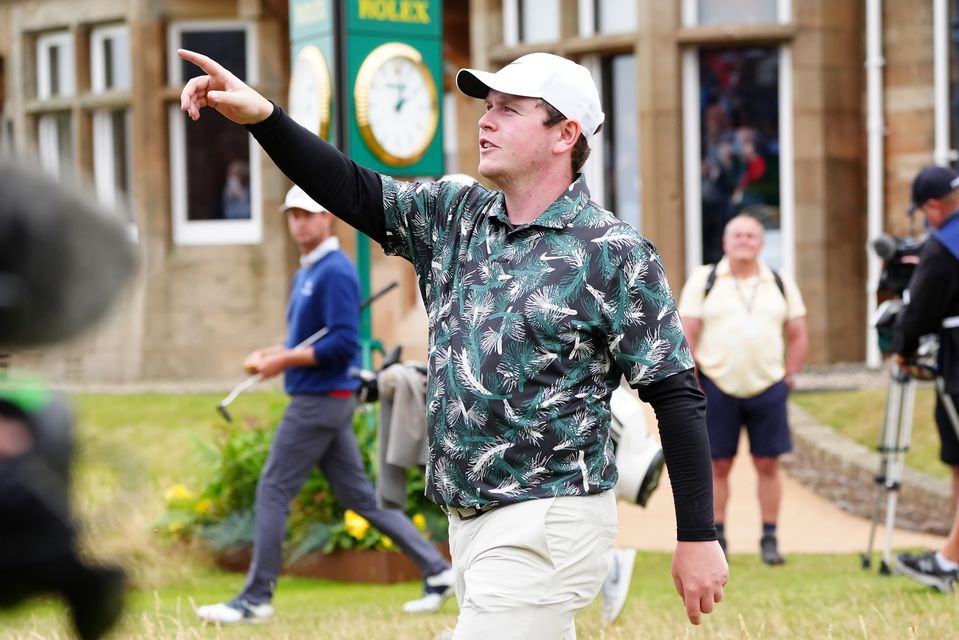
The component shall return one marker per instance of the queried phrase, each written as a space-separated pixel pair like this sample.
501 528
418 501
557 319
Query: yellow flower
420 521
177 494
203 507
387 542
356 525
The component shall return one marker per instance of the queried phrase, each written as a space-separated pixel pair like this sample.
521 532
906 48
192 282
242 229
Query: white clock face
310 91
399 114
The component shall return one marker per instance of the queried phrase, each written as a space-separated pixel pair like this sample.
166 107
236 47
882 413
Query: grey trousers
318 430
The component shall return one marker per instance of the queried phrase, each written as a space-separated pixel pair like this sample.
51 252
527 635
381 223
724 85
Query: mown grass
133 447
858 415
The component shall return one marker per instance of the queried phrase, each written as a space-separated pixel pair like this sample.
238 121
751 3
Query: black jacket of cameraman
933 307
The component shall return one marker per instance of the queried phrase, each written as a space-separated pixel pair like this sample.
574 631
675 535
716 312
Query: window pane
621 162
539 21
111 158
739 127
121 158
108 75
55 142
226 47
55 65
54 71
110 59
217 169
615 16
738 11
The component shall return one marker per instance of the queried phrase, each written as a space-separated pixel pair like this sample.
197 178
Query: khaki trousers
524 571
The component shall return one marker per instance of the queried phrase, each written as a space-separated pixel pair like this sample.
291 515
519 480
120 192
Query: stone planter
376 567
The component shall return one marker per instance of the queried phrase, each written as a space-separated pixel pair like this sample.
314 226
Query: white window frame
105 164
692 142
690 12
589 20
48 143
210 232
120 35
67 73
593 170
511 34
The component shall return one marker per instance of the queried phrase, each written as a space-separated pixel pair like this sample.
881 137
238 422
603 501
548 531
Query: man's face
743 239
513 141
935 211
308 229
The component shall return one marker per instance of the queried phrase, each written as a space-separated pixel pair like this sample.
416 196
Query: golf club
221 407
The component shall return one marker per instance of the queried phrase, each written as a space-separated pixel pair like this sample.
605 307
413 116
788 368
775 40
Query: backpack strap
779 282
711 280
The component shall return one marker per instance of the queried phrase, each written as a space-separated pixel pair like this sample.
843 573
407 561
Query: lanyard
752 300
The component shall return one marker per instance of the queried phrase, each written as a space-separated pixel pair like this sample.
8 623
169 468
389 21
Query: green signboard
372 68
394 67
312 99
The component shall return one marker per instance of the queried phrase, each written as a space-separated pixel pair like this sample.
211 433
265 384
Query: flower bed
221 511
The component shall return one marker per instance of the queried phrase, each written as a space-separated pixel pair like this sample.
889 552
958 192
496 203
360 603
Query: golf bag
639 457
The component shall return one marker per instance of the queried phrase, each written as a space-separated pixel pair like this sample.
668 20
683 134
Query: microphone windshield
884 246
63 258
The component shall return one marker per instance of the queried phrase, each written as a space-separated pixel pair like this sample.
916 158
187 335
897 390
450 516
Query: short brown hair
580 149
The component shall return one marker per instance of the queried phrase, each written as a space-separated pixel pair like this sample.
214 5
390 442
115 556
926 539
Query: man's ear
568 135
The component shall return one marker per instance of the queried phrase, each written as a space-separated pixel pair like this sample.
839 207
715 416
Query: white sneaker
235 611
616 587
436 590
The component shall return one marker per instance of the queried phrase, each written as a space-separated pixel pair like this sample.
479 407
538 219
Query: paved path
808 523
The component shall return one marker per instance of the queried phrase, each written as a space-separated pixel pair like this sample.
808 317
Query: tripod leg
887 444
897 468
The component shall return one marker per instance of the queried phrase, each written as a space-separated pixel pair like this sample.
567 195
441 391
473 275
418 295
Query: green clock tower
366 75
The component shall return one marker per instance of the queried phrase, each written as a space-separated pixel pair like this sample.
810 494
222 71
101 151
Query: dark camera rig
900 257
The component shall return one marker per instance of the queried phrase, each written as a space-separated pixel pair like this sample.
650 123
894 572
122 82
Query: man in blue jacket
317 427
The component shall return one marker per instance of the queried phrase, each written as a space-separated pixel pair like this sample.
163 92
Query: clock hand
401 99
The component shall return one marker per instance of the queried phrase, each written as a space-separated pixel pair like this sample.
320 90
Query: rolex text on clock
397 110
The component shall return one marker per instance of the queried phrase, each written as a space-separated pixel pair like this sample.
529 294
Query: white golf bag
639 457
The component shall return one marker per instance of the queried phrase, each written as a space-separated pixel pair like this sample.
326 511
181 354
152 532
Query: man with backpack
746 327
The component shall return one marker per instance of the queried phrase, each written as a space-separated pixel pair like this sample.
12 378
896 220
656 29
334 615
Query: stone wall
844 472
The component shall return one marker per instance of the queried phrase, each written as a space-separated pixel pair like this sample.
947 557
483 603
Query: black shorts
949 441
764 416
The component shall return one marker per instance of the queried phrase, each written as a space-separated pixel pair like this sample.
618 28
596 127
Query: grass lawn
859 414
132 448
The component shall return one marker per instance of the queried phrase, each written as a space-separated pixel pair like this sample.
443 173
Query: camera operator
932 307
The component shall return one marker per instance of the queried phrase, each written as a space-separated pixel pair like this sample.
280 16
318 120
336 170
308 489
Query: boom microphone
885 246
63 259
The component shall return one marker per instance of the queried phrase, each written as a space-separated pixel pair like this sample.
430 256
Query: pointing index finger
209 65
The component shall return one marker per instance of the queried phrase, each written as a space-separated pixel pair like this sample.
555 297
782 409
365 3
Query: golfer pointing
538 303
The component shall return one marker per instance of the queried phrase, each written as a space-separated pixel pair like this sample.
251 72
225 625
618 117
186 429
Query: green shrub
221 511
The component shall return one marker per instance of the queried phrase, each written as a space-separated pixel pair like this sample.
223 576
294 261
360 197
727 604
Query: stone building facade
713 107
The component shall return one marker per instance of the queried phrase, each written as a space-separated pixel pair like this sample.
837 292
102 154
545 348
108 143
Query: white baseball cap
564 84
296 198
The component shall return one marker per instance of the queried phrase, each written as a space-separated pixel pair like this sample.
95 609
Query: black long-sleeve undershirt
680 408
355 195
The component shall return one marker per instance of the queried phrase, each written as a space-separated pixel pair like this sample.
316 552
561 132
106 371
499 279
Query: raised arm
351 192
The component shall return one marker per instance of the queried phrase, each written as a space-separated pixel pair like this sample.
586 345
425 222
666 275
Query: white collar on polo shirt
330 244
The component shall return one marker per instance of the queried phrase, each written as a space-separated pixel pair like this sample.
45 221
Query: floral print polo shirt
530 329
